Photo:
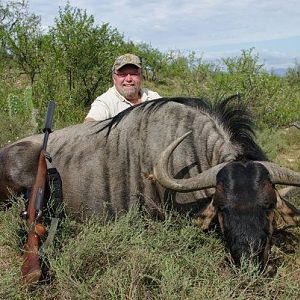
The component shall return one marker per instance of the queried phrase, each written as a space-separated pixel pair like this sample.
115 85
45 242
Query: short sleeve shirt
112 102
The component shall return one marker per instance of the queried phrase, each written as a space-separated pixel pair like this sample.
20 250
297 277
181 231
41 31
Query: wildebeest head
244 201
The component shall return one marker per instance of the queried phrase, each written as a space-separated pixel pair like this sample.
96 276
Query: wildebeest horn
206 179
281 175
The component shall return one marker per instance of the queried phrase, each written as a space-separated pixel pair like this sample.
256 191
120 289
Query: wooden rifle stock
31 268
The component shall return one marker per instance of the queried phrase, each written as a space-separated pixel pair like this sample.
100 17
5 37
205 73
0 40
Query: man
126 92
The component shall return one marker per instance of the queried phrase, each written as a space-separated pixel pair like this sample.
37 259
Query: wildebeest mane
154 105
233 116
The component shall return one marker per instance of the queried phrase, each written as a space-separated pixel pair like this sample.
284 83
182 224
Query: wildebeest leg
205 216
18 165
289 213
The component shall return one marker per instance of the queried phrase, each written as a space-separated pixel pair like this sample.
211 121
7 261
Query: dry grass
290 154
139 258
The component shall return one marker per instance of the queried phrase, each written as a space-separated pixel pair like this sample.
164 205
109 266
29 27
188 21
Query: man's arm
99 111
89 119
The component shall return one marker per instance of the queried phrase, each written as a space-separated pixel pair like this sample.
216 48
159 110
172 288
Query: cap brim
122 65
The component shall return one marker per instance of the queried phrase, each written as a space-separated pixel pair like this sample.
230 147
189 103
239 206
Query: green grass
136 257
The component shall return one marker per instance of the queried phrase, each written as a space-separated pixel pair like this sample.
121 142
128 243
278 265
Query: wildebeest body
107 167
103 171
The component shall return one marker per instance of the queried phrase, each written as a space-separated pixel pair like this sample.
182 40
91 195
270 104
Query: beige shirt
112 102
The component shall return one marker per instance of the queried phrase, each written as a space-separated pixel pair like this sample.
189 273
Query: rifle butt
31 268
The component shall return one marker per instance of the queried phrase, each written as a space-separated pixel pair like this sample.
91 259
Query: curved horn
206 179
281 175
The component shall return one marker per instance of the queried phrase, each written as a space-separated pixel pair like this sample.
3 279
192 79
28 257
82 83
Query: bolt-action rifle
31 268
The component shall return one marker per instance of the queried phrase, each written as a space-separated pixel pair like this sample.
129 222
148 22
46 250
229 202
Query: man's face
127 81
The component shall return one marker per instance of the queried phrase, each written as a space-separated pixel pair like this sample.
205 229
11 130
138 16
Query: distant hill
278 71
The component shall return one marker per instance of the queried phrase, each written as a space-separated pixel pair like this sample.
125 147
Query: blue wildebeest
187 153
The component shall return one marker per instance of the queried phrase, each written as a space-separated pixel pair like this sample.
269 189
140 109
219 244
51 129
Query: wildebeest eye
222 208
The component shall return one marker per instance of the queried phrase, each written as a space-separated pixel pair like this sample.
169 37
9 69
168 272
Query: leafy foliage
75 34
20 36
293 75
271 99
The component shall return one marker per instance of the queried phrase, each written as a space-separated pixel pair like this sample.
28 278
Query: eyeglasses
123 75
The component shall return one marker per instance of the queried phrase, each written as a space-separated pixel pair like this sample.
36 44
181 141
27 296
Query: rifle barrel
48 123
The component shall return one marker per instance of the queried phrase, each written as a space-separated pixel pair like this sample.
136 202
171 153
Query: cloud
192 24
211 22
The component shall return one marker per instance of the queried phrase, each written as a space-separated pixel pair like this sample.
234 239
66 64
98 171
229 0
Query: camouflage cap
126 59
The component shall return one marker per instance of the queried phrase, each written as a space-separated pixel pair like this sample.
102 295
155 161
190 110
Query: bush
271 99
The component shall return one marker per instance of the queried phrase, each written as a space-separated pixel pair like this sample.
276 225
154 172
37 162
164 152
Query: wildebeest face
245 200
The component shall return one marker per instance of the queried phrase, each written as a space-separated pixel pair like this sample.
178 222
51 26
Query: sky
214 29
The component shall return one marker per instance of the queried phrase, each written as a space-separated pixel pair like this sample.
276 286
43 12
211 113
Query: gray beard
129 93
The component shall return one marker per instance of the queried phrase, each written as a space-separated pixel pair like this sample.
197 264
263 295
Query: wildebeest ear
289 213
205 216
